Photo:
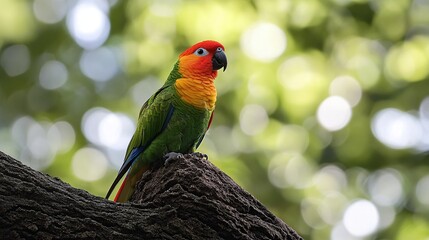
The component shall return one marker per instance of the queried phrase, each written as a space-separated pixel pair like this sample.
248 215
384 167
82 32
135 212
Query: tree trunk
189 198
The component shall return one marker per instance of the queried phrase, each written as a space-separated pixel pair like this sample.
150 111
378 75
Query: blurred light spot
111 130
418 11
88 23
115 131
112 2
298 172
334 113
160 26
361 58
391 20
361 218
8 145
422 190
293 138
35 148
387 216
415 226
407 62
348 88
290 170
385 187
16 22
310 214
296 73
304 80
330 179
262 93
307 13
365 69
91 121
214 19
89 164
423 146
396 129
53 75
37 141
100 64
339 232
166 8
143 51
358 178
144 89
61 136
15 60
276 170
331 207
20 128
241 141
424 112
253 119
263 41
50 11
221 137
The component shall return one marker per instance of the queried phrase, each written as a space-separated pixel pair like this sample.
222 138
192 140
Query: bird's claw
171 156
202 155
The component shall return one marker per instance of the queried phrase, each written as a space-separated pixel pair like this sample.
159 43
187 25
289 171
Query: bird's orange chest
200 93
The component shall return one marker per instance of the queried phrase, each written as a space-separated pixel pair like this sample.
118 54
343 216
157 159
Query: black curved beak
219 60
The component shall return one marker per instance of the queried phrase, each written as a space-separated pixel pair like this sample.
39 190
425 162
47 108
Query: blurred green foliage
322 114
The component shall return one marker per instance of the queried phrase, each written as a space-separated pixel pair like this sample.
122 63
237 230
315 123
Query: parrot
175 119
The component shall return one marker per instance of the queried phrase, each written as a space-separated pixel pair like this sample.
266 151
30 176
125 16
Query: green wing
153 119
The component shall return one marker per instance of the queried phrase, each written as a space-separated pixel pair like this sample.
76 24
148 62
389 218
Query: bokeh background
322 114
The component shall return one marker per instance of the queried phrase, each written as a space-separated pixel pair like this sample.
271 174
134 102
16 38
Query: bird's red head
202 60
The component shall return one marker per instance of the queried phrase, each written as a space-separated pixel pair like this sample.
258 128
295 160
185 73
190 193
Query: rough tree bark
189 198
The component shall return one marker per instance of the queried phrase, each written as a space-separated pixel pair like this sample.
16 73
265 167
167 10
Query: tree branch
187 199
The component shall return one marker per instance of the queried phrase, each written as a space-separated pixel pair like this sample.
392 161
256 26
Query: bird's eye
201 52
219 49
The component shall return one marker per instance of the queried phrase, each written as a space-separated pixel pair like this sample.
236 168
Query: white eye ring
201 52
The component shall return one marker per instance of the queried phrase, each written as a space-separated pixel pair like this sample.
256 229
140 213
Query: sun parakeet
176 117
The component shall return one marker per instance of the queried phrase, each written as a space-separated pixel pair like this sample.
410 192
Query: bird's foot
171 156
201 155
